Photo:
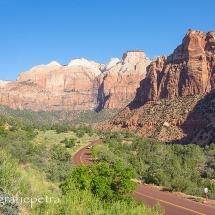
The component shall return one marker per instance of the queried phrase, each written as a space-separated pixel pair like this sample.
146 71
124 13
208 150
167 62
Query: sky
34 32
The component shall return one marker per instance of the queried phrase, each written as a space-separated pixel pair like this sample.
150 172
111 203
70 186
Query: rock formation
189 70
120 79
81 85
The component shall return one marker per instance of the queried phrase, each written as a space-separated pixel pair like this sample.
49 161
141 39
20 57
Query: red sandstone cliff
189 70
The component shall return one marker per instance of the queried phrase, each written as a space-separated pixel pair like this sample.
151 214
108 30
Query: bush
80 134
60 165
58 171
59 153
198 199
69 143
9 175
23 151
3 133
84 202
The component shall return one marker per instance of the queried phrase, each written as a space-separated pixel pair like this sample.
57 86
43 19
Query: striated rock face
120 79
54 87
81 85
56 78
189 70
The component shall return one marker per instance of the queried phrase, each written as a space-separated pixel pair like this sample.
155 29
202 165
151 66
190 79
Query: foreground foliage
34 160
185 168
107 182
99 189
83 202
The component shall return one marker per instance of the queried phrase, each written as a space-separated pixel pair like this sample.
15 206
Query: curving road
172 204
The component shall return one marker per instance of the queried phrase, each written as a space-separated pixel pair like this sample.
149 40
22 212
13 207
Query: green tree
80 133
69 143
60 165
60 153
3 133
108 182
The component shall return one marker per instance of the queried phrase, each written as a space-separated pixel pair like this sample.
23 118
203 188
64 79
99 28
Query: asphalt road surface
173 205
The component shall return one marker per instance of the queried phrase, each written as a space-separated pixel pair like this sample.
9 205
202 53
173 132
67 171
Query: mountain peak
134 55
81 62
3 83
86 63
110 64
53 63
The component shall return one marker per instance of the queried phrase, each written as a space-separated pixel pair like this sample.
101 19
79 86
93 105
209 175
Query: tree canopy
107 182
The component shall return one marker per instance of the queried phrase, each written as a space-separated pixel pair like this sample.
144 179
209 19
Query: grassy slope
50 138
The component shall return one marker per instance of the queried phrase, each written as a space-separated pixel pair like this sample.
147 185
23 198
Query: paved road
172 204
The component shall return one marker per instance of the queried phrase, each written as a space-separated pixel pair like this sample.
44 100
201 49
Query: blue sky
34 32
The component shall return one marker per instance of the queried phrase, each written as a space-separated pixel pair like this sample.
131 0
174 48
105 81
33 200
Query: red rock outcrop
189 70
81 85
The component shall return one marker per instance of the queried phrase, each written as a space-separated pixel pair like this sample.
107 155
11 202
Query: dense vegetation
107 182
33 156
99 189
21 140
35 162
186 168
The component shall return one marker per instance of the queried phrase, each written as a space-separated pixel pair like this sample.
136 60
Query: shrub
58 171
198 199
60 165
9 175
3 133
7 205
69 143
84 202
59 153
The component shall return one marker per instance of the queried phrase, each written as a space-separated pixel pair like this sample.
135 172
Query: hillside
180 120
